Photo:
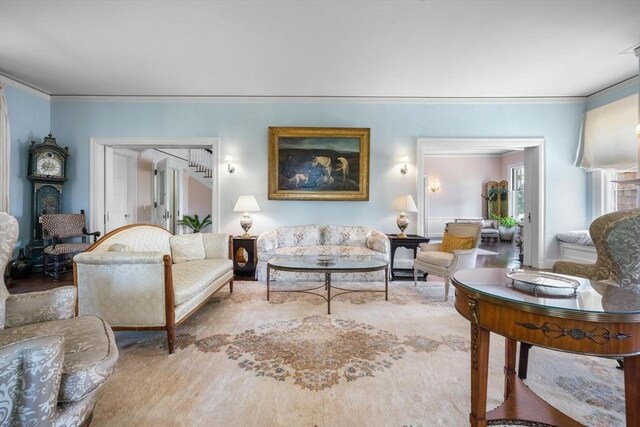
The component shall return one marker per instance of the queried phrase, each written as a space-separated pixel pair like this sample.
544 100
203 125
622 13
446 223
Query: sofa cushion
451 243
489 223
346 235
187 247
90 352
191 277
299 235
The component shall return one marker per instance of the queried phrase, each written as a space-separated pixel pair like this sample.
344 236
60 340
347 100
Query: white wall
462 181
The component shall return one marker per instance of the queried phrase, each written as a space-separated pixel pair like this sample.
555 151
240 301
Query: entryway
149 180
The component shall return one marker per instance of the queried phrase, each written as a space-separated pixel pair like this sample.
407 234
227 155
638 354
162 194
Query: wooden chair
61 233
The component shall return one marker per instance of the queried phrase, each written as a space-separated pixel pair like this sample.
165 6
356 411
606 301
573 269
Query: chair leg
447 282
56 267
415 276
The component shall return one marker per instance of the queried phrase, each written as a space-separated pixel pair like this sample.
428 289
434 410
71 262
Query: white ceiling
459 48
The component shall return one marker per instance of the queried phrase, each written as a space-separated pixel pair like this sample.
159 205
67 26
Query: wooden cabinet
245 257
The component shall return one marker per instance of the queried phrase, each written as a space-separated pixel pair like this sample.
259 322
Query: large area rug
243 361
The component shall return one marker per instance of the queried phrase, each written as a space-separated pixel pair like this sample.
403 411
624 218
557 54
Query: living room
493 76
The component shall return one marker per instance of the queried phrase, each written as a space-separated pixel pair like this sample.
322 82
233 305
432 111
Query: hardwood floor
38 282
507 255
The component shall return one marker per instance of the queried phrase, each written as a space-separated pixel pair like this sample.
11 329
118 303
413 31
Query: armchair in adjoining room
62 233
458 251
45 348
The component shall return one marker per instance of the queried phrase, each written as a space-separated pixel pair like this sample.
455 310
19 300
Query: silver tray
544 284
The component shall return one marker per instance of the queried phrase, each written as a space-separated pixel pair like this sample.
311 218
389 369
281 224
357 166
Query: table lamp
403 203
246 204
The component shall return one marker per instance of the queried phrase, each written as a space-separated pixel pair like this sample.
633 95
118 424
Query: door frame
536 178
97 170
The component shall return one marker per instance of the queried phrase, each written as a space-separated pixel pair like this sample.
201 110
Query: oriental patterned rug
243 361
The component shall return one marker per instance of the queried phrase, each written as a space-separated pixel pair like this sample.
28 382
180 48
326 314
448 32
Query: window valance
608 139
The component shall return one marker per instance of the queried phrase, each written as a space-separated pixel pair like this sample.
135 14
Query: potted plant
506 226
195 223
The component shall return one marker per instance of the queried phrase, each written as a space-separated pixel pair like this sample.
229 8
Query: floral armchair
616 272
45 348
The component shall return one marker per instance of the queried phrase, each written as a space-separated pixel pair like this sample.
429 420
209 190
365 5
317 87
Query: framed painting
318 163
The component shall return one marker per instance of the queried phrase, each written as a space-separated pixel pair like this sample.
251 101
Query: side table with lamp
404 203
244 247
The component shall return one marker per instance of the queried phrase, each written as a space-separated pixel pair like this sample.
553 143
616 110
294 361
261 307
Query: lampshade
404 203
246 204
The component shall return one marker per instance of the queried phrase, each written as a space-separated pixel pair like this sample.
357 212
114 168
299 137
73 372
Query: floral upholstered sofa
348 242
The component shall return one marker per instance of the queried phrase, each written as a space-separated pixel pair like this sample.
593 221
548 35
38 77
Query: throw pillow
186 247
451 243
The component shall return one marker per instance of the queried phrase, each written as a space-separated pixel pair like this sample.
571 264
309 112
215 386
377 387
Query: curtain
5 152
608 139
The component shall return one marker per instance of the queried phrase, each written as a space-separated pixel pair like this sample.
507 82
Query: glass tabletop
494 282
326 263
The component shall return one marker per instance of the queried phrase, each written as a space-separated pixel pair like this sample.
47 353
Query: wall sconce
434 186
404 160
230 166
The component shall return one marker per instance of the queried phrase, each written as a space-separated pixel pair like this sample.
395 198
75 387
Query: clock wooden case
48 173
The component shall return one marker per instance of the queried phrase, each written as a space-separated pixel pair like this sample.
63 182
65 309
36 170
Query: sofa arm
36 307
379 241
267 241
124 288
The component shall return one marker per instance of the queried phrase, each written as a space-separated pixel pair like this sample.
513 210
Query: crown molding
318 99
632 81
32 90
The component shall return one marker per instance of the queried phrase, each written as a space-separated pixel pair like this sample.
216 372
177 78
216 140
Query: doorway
165 204
534 246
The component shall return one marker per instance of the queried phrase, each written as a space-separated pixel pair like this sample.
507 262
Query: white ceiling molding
316 99
633 81
24 87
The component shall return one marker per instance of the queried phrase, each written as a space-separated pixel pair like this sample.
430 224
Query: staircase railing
201 160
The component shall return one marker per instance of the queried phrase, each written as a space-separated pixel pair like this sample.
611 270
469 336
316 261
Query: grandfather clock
47 172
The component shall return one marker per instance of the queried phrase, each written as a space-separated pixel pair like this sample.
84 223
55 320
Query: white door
531 204
168 194
119 188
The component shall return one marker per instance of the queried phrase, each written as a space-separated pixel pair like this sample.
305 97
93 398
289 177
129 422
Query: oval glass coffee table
326 265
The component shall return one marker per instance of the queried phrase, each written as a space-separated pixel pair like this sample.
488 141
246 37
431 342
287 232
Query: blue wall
242 128
29 119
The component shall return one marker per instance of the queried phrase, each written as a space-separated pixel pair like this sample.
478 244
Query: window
621 195
517 190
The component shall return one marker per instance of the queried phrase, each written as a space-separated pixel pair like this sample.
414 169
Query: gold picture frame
315 163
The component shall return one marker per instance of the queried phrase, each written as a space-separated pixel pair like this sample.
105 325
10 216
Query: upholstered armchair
44 348
65 235
616 272
438 259
604 267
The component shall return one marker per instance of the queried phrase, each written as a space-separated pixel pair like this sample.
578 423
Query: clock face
49 164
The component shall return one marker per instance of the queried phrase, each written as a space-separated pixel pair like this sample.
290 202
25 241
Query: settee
142 277
347 242
489 230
